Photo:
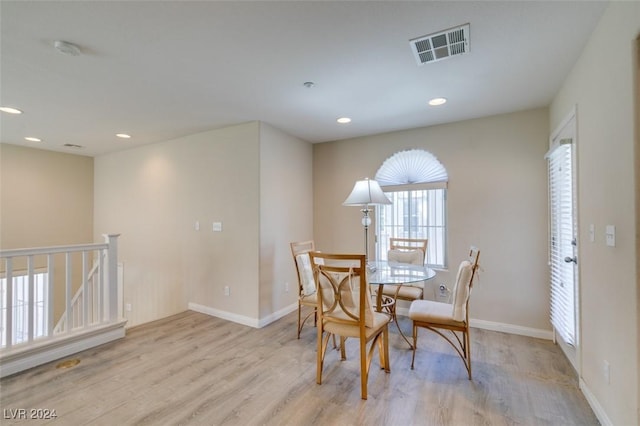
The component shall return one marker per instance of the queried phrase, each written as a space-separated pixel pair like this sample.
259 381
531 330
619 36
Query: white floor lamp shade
365 193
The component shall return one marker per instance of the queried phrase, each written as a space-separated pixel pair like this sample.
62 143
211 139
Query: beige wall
497 200
252 178
46 199
286 214
601 87
154 195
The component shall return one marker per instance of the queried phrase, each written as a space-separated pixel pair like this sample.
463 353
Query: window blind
414 214
562 241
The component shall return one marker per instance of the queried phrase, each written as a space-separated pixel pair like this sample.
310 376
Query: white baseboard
499 326
259 323
229 316
19 359
512 329
278 314
241 319
595 405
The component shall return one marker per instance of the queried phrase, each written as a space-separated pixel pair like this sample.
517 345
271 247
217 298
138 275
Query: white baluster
8 329
32 299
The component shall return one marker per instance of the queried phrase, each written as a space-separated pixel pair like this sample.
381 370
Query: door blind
562 241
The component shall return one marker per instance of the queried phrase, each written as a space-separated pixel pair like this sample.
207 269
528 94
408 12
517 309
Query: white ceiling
162 70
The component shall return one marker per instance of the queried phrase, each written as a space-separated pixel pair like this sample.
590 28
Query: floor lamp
366 193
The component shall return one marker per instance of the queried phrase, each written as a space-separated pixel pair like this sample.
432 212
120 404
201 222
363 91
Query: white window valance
412 167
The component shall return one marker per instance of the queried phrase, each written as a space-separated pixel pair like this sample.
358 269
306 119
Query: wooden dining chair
345 309
408 244
406 250
307 295
450 321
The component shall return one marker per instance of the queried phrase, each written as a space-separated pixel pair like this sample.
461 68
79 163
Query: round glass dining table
383 273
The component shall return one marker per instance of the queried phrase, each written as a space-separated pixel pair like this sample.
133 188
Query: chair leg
415 343
380 343
343 352
299 316
364 372
467 341
385 344
460 341
323 342
395 318
302 321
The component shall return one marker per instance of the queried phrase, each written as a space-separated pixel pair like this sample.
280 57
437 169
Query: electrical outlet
606 370
443 293
127 307
227 290
286 287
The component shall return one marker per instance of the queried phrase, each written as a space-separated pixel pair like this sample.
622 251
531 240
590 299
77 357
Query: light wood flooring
193 369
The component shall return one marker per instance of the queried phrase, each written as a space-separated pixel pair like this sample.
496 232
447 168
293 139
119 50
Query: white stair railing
95 303
87 295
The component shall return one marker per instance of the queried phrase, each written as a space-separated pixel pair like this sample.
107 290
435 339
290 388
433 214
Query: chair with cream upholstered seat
406 250
306 283
345 309
442 317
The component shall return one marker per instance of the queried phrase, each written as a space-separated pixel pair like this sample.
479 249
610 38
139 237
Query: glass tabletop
398 273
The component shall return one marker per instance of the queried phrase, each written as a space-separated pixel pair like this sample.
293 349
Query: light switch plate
592 233
610 234
217 226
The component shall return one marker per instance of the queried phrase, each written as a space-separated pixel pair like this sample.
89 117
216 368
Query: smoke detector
66 48
441 45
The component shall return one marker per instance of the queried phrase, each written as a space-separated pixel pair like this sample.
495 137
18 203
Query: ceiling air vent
441 45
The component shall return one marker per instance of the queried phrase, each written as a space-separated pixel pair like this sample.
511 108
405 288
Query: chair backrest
300 251
464 284
407 250
343 291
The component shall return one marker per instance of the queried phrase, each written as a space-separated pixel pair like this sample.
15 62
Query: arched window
416 182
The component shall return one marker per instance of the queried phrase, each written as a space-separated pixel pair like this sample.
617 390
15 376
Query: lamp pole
366 221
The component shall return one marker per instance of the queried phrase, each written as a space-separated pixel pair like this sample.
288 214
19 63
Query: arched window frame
416 182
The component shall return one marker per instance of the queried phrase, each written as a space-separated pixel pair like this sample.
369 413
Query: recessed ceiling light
10 110
343 120
123 135
32 139
437 101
